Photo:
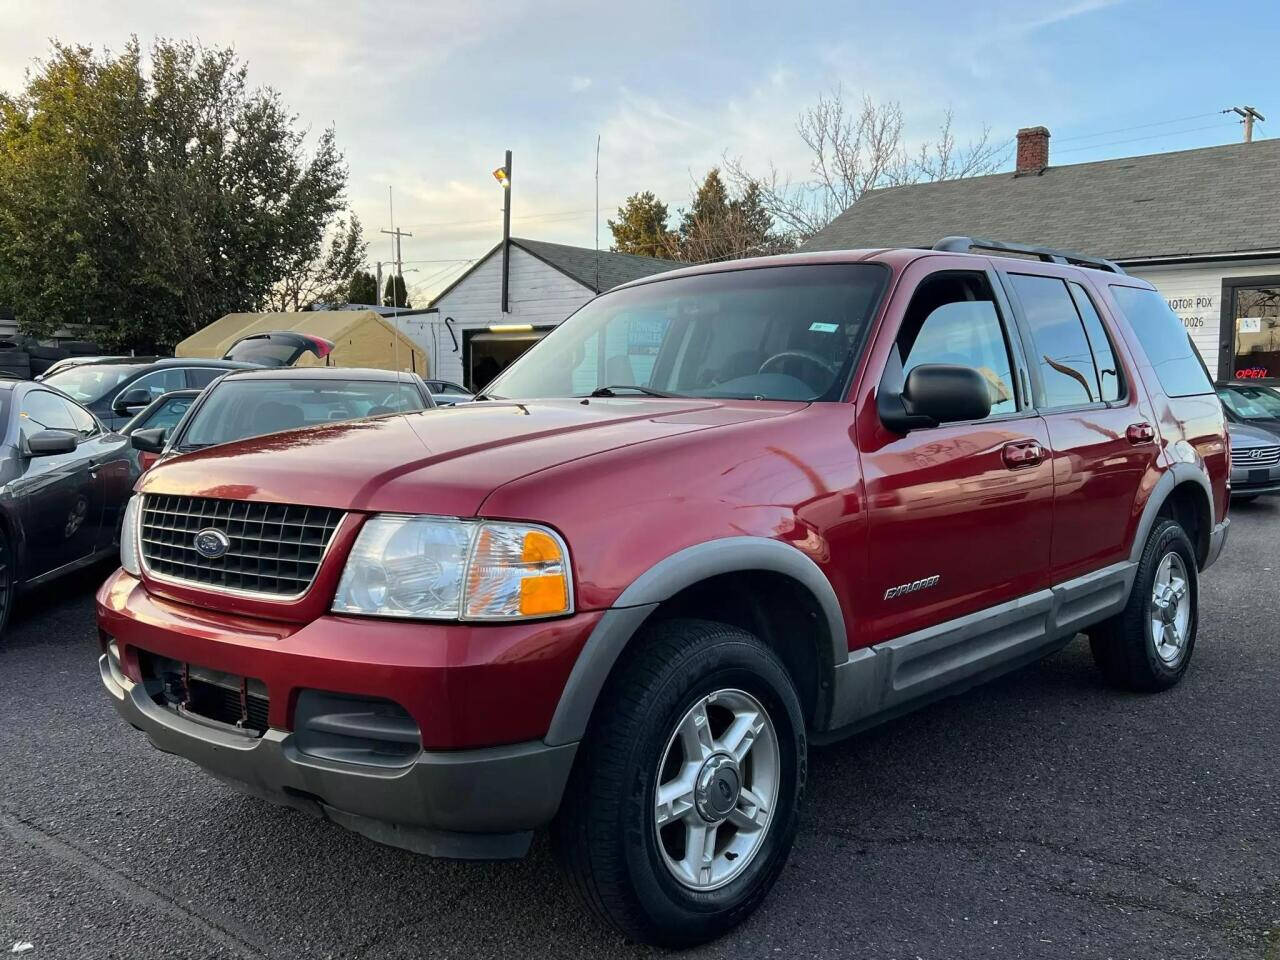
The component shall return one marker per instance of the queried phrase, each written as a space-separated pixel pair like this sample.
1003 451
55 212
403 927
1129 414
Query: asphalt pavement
1042 815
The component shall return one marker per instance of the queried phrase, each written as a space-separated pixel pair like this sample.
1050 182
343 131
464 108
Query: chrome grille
272 548
1266 456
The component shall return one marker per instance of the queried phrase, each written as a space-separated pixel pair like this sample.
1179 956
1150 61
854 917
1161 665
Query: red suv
715 515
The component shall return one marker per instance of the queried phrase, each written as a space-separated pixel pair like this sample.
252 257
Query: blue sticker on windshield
824 327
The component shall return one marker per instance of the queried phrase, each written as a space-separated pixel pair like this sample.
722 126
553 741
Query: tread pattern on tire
1120 644
597 872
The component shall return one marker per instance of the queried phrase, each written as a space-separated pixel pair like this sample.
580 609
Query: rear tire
1149 644
669 719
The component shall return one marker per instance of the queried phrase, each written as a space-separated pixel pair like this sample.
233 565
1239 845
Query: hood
444 461
1245 436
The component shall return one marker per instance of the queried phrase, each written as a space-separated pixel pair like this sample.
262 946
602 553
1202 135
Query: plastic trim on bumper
1217 540
468 804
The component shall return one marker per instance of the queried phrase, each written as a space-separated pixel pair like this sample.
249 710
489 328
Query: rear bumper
481 803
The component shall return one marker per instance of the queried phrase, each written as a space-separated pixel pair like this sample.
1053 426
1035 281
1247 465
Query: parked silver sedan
1255 461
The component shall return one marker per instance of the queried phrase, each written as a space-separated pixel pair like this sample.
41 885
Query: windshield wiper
611 390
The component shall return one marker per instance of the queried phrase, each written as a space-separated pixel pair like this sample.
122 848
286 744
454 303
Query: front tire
1148 645
683 804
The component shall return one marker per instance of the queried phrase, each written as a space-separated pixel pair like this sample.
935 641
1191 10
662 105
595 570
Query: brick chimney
1033 151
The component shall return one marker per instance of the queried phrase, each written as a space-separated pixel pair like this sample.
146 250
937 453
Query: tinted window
86 423
776 333
201 377
1168 346
238 409
1104 358
42 410
953 319
1062 351
160 382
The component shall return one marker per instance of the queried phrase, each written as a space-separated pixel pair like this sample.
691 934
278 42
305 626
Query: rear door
960 514
1102 430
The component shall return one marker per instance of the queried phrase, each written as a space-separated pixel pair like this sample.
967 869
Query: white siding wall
537 294
1195 294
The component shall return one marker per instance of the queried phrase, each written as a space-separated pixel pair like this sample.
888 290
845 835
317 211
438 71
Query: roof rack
1047 254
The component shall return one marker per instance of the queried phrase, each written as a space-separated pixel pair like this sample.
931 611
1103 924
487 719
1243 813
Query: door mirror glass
49 442
132 400
149 441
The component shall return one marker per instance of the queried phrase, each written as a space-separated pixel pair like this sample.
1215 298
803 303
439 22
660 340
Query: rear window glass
1067 370
1166 342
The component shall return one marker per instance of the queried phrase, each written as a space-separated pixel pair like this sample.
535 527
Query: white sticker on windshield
824 327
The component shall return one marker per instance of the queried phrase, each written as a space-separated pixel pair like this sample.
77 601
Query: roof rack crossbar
1047 254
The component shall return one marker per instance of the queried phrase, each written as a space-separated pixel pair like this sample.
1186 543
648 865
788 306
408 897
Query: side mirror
49 442
149 441
131 401
937 393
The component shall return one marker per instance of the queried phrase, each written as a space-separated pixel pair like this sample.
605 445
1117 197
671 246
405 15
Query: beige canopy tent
360 338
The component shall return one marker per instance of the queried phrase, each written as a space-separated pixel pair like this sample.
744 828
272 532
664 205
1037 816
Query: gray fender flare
661 582
1177 474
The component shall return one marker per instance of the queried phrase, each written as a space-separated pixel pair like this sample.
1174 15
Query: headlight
129 535
435 568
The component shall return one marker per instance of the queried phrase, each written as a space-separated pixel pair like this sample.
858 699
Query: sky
425 97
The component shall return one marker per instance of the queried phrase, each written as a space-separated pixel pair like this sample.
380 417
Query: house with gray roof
1202 225
470 336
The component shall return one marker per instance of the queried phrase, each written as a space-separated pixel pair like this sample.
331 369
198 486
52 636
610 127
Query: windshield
771 333
238 409
1251 403
91 382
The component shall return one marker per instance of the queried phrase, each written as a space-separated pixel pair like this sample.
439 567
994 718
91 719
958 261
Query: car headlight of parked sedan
439 568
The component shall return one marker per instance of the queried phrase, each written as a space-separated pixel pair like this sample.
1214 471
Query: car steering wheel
814 359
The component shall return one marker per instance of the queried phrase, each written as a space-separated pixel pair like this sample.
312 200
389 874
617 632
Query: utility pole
395 294
505 180
1249 114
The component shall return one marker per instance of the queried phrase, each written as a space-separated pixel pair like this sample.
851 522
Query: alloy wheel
1170 608
717 785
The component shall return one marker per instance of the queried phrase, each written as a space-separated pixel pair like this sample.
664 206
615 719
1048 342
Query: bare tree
320 273
853 151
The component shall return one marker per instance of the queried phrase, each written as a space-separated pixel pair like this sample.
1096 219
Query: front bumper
477 802
1247 482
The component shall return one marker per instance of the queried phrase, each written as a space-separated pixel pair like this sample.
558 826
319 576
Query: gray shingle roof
580 263
1214 200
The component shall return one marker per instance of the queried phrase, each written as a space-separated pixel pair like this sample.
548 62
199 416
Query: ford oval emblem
212 543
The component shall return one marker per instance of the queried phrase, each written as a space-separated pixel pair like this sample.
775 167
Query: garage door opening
486 353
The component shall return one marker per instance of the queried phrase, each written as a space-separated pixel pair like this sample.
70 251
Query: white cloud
577 84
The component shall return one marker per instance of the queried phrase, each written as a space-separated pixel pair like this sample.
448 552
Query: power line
533 216
1153 136
1140 126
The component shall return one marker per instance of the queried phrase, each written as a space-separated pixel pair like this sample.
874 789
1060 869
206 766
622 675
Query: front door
960 514
60 494
1102 433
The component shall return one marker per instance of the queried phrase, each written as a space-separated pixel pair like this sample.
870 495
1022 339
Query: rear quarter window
1165 341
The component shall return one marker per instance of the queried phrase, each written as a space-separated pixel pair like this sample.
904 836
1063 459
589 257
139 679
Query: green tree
394 293
363 288
140 201
721 226
641 227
